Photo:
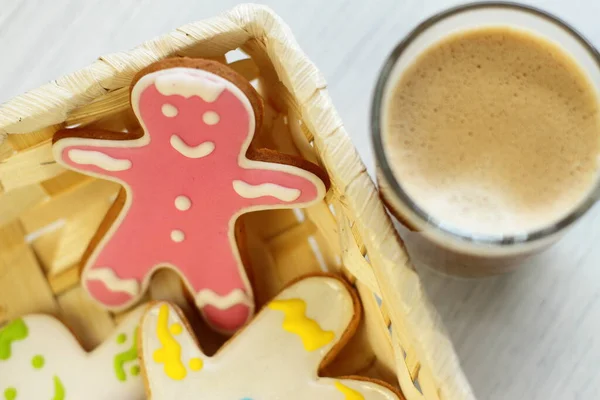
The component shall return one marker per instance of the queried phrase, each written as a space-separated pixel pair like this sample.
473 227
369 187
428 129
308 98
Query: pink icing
236 317
207 258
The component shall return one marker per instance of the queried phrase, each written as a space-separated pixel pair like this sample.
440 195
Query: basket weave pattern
48 215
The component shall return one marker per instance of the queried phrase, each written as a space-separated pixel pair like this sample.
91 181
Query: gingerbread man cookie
188 178
40 359
277 356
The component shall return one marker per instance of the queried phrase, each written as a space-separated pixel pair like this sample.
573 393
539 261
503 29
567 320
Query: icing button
183 203
177 236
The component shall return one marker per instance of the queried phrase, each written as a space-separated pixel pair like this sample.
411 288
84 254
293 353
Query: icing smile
199 151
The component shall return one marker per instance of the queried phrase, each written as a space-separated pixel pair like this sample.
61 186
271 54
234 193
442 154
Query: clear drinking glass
430 240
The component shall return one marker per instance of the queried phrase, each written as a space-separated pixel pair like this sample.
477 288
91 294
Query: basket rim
398 282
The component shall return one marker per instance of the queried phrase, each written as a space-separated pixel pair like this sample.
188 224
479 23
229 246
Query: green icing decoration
59 389
38 361
135 370
16 330
122 338
10 394
124 357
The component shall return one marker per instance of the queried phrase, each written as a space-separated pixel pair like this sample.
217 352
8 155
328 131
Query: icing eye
169 110
211 118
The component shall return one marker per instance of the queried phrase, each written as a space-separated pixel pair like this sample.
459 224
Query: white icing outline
202 150
248 191
99 159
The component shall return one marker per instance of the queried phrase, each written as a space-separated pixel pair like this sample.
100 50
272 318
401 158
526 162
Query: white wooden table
534 334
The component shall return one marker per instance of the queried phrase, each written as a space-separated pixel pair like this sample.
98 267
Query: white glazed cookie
40 359
277 356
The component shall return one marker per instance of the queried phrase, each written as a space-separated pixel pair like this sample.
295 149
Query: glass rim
381 158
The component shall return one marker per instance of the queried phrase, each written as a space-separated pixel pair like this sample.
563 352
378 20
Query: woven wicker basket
48 215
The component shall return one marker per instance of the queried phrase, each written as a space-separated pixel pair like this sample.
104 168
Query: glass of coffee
486 132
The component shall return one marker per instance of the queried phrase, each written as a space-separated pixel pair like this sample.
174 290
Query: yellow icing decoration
350 394
196 364
170 352
312 335
176 329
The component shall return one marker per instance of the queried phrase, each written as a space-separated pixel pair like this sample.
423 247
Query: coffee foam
494 131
